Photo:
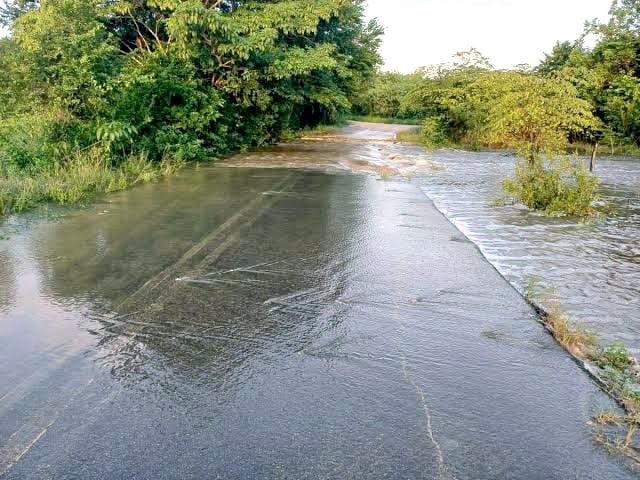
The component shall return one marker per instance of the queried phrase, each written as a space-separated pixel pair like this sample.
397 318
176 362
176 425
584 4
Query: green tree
103 87
537 116
385 94
621 107
181 78
67 55
531 114
560 57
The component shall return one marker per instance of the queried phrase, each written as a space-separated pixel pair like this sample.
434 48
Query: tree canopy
187 78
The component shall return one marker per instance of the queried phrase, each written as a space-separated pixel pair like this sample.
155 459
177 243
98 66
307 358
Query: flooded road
594 266
239 322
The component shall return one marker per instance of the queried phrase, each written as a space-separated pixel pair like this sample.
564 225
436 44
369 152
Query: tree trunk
594 153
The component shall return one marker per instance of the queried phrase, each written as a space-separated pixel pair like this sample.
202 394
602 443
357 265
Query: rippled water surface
594 266
289 323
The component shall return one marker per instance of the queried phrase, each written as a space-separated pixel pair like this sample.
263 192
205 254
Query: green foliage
110 134
384 95
555 186
169 109
66 55
434 132
41 138
621 107
536 115
11 10
615 356
181 79
530 114
598 88
562 55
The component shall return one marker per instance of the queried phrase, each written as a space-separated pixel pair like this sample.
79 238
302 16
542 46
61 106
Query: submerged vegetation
98 95
577 98
554 186
617 371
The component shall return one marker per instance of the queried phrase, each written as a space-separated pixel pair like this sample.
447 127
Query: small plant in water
531 288
608 417
620 373
554 186
574 337
616 357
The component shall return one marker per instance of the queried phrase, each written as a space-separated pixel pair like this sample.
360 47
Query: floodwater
241 322
594 266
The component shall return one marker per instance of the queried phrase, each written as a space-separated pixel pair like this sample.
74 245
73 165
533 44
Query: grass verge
79 179
614 368
413 137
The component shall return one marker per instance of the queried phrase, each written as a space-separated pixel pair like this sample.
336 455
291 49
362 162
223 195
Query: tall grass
79 179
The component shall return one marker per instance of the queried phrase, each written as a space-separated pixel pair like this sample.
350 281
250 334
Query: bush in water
555 186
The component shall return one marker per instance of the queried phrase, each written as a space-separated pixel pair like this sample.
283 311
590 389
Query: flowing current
593 266
263 319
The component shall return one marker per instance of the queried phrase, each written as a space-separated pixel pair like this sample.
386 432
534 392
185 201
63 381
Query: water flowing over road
297 321
593 265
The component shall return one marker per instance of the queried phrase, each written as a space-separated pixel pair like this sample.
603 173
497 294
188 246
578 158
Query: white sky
509 32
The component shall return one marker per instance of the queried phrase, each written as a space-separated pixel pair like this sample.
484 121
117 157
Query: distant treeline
582 94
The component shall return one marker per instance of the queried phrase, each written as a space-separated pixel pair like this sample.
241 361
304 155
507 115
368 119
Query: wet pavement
594 266
277 323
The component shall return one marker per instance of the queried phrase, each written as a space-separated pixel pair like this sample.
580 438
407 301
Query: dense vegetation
98 94
578 96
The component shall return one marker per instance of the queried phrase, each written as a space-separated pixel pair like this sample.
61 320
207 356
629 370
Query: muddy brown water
243 322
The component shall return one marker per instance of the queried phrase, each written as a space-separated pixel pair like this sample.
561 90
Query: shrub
555 186
167 109
434 132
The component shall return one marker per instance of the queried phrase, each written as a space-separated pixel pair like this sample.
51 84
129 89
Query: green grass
606 148
413 136
619 373
616 357
387 120
574 337
78 180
